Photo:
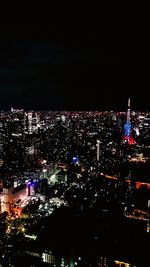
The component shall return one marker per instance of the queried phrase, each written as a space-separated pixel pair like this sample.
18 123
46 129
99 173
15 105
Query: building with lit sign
11 196
48 257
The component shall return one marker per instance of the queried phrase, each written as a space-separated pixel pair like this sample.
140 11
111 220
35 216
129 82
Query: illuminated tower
97 153
127 126
128 111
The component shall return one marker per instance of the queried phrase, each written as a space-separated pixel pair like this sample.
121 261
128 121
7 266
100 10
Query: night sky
64 67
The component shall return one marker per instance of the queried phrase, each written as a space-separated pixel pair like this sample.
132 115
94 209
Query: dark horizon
59 67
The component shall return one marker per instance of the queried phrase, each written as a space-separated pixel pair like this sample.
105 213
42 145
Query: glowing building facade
30 122
12 196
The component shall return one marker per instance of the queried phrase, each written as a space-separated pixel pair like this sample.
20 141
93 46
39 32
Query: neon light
138 184
34 237
75 159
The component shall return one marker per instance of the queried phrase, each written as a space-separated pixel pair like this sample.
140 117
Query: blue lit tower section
127 126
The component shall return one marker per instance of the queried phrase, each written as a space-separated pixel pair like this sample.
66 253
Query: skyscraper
98 143
30 122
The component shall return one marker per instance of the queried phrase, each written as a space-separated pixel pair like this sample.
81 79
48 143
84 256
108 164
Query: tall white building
98 151
30 122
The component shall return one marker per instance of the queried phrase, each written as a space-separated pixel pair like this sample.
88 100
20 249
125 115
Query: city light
120 263
76 181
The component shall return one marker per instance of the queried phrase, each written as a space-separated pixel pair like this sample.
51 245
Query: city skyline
74 146
28 105
82 167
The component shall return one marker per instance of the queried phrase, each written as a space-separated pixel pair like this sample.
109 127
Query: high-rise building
103 262
35 121
30 122
48 257
98 151
10 196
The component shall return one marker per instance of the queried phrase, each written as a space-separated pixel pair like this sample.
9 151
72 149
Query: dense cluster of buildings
82 161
